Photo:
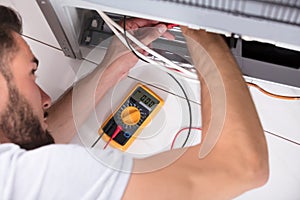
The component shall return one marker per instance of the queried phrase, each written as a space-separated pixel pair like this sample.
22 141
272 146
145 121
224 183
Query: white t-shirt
62 172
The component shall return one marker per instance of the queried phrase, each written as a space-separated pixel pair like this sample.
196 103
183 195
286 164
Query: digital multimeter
132 115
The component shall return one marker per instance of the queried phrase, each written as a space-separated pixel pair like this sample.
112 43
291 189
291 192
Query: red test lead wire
170 26
117 131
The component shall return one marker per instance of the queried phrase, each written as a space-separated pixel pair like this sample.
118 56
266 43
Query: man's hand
135 23
119 58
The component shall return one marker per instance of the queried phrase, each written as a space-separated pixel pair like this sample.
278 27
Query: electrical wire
180 131
283 97
181 87
127 42
116 132
118 30
272 94
100 136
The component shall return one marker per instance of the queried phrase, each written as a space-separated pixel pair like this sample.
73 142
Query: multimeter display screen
144 98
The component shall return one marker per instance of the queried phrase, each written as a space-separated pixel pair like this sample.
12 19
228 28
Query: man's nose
46 100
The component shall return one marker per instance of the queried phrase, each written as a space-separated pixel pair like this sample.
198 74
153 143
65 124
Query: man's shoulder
11 151
14 158
8 147
52 167
66 154
8 150
11 147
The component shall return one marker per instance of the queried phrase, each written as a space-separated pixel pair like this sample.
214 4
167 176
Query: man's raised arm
73 108
233 156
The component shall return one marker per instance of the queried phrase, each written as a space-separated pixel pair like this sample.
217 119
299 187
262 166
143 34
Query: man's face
22 119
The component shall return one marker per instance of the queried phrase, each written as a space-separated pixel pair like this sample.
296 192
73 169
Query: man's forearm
220 74
241 139
74 108
62 124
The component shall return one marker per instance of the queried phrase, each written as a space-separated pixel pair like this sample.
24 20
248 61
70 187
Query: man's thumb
161 28
153 33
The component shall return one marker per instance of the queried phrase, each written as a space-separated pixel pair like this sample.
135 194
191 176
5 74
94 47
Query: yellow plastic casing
140 128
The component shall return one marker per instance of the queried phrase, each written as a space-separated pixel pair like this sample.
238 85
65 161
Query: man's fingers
135 23
146 35
150 34
168 35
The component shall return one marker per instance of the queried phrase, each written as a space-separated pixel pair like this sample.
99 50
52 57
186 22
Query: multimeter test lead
107 128
100 136
170 26
116 132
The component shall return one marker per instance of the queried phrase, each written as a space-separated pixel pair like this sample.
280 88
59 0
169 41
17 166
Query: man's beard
20 125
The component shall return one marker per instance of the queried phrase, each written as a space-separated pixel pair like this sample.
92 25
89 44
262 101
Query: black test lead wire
128 44
181 87
100 136
190 110
108 126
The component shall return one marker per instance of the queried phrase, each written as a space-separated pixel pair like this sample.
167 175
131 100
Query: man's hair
11 19
10 22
